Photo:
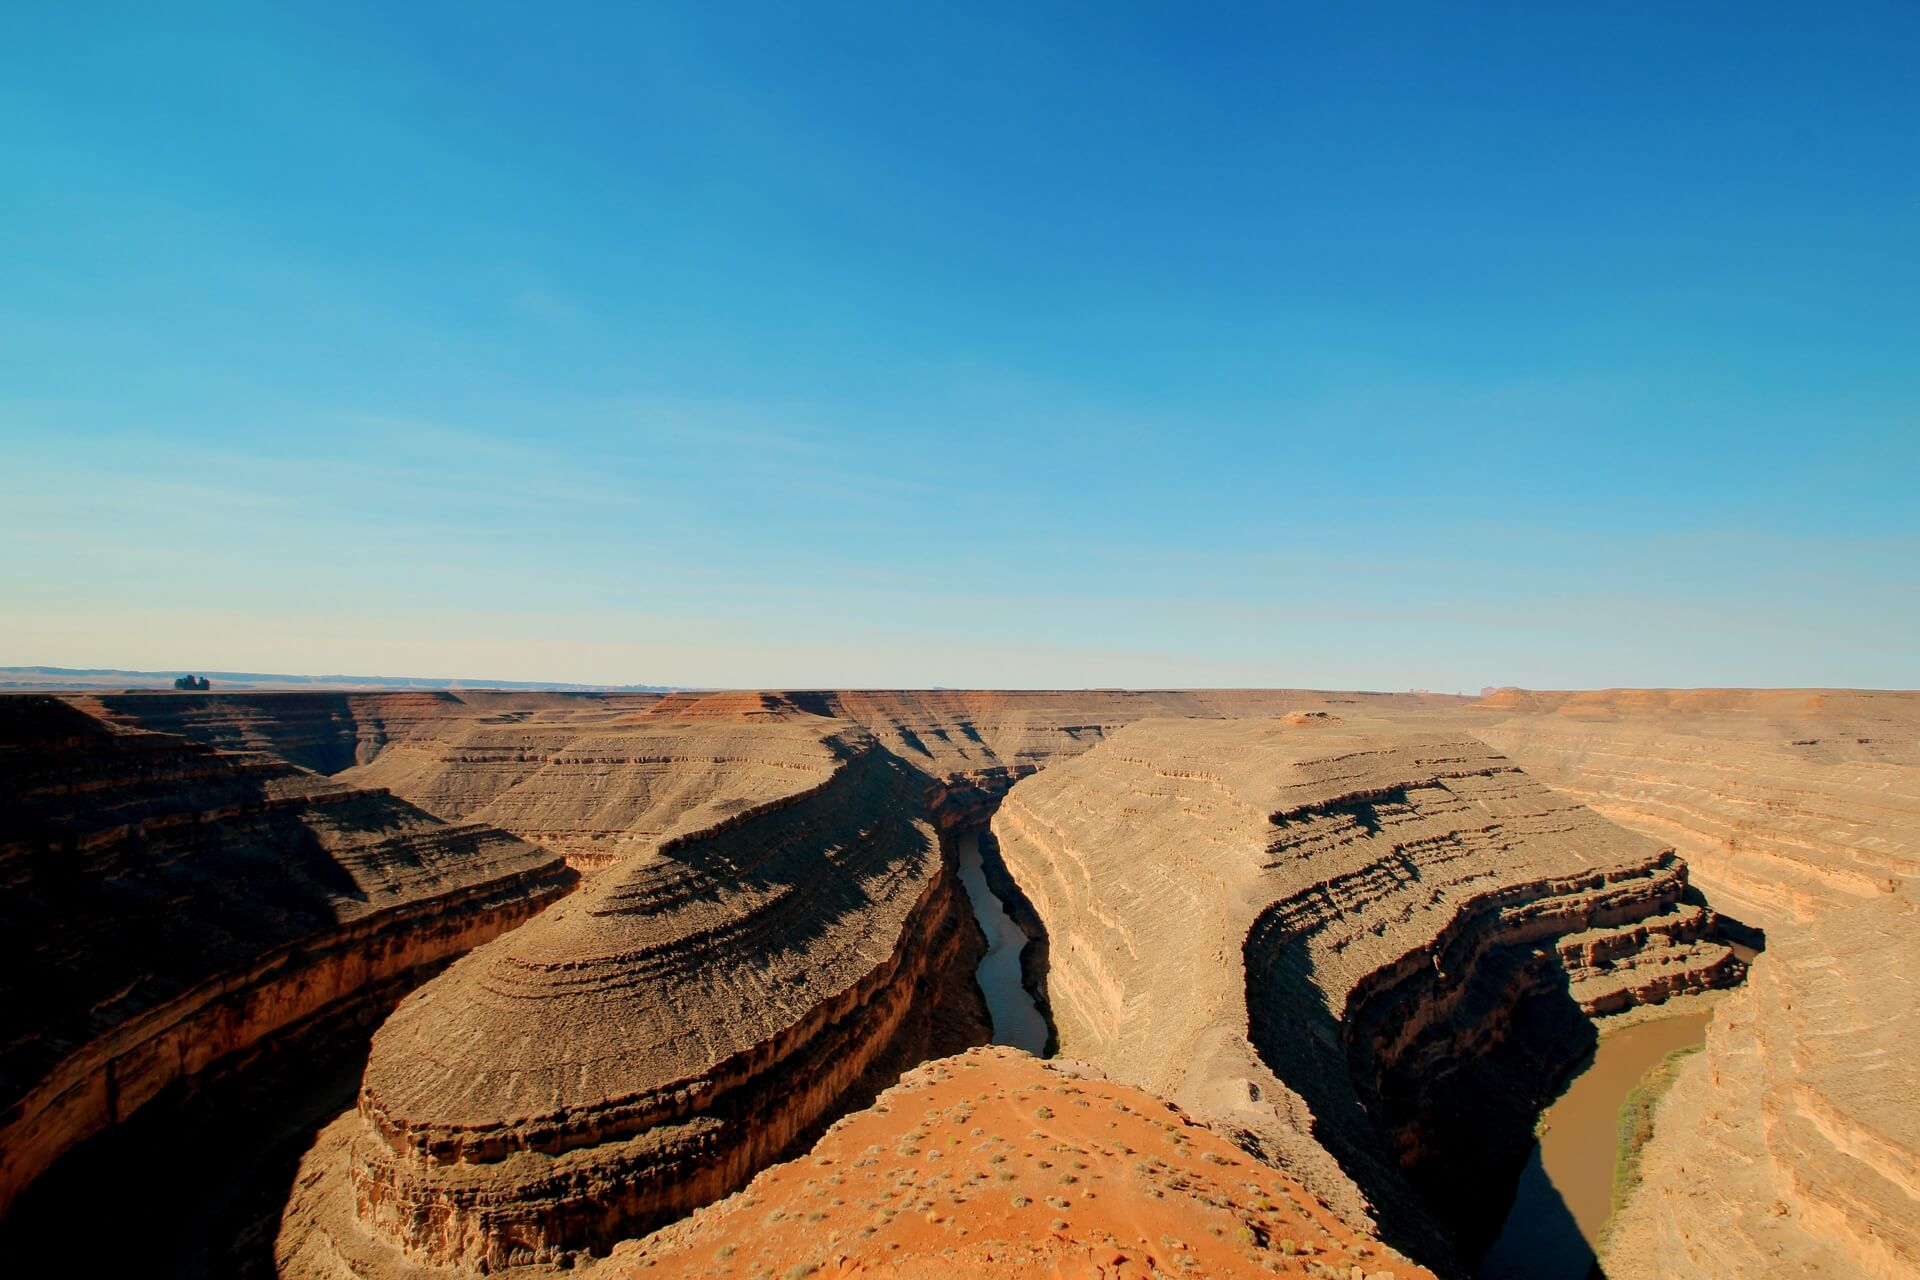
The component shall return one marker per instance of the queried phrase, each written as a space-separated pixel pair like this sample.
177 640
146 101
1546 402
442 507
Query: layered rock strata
165 906
1330 936
597 788
322 731
1786 803
1791 1145
648 1045
1785 1147
995 1163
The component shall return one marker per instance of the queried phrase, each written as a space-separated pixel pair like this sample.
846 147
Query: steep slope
1791 1146
1368 950
165 906
648 1045
455 752
1786 803
995 1163
1800 809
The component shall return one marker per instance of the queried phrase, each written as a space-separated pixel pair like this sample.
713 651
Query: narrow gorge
1365 939
1372 953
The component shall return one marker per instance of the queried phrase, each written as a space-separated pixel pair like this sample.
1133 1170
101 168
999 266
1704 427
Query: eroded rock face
647 1046
1341 926
326 732
167 906
996 1163
1786 803
597 785
1791 1145
1333 936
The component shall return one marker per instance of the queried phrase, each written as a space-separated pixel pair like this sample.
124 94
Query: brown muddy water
1566 1192
1016 1020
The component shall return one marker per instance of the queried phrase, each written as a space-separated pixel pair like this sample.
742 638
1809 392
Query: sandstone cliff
648 1045
1334 937
325 731
1786 803
1788 1147
164 906
1791 1146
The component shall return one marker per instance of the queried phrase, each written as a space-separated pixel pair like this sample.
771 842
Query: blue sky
1352 346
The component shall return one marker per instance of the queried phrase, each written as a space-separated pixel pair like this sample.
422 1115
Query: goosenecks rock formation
1791 1145
648 1045
165 907
587 775
1352 936
1366 949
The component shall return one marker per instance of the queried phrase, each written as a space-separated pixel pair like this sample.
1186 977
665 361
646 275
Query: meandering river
1016 1021
1567 1189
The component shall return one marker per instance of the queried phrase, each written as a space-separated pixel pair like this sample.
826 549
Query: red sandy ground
995 1163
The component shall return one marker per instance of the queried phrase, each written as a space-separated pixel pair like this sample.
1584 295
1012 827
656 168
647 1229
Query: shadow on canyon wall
1428 1091
191 1187
1034 956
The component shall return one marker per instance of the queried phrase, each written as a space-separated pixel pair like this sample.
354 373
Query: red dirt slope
993 1162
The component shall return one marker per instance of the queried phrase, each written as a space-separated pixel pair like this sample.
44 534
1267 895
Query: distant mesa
118 679
193 684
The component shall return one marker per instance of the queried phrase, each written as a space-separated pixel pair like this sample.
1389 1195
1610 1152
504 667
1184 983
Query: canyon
1789 1146
1371 952
639 962
168 907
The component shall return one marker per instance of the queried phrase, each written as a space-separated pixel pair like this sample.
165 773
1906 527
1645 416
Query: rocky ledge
1786 803
598 785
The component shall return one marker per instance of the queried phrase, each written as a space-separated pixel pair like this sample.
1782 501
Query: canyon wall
1353 931
322 731
1791 1146
648 1045
1331 936
1786 803
597 784
1788 1147
168 906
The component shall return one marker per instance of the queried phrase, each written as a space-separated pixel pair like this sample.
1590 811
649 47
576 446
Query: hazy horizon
741 346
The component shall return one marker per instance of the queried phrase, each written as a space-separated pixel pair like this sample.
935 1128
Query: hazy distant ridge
113 678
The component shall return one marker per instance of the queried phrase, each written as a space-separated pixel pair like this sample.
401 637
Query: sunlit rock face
1786 803
648 1045
1353 932
1789 1146
1330 935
